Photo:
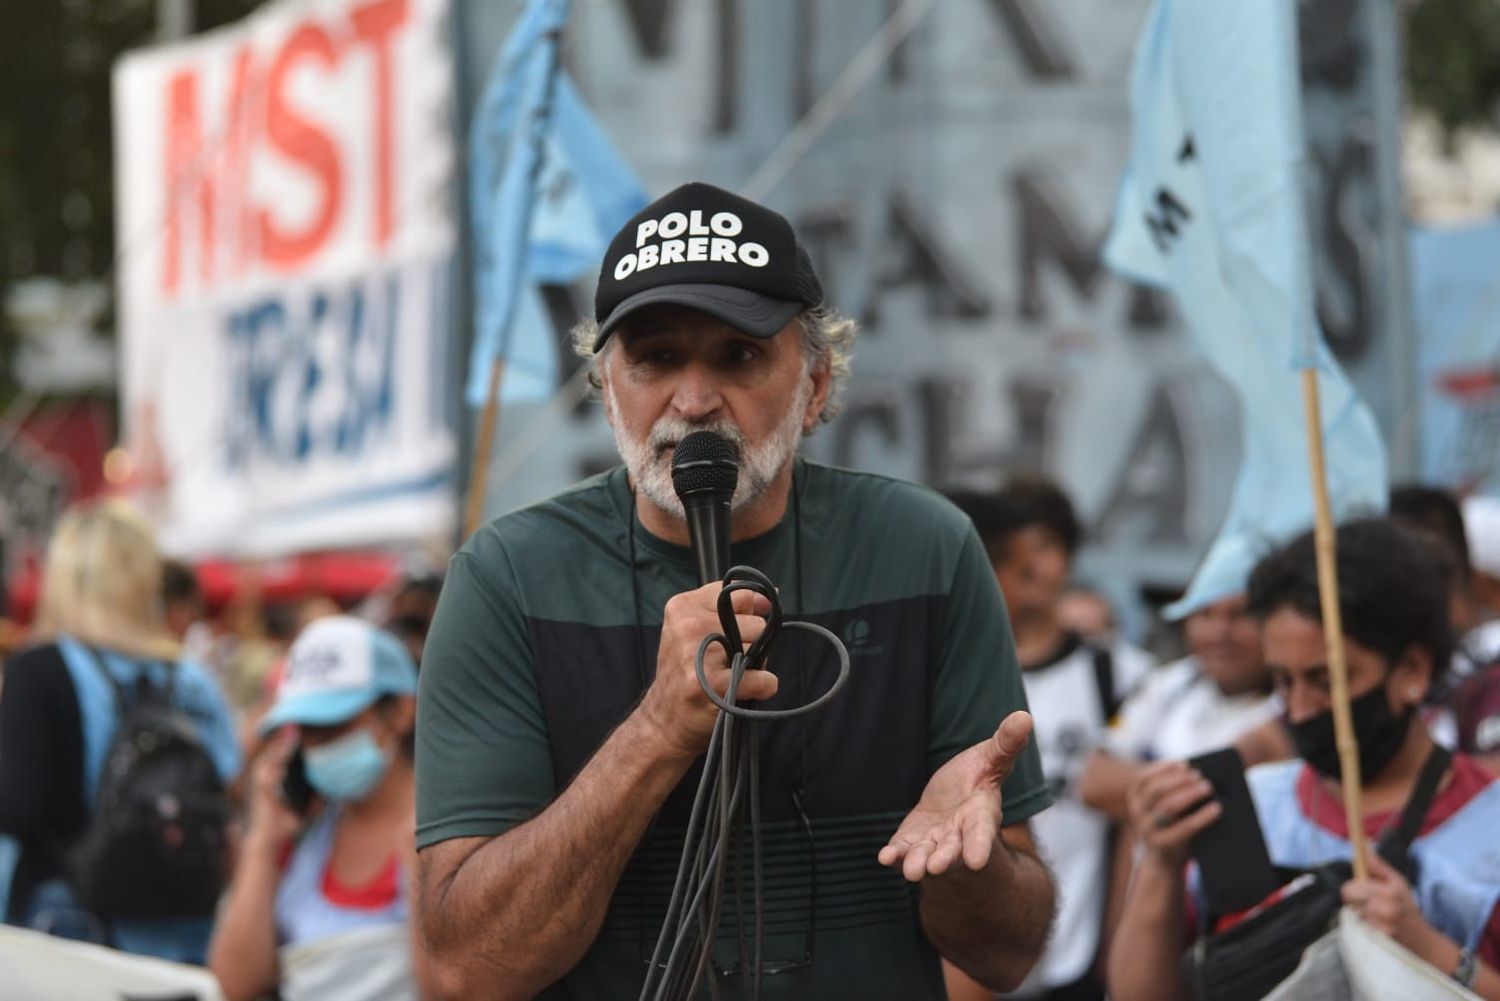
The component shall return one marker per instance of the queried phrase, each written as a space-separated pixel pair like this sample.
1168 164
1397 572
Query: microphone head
705 462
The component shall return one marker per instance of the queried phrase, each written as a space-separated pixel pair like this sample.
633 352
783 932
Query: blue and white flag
547 191
1212 208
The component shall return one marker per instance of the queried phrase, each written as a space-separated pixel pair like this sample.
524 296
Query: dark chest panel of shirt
864 752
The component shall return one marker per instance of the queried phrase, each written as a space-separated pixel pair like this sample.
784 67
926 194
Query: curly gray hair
827 336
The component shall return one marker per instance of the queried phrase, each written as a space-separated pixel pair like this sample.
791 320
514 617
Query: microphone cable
728 794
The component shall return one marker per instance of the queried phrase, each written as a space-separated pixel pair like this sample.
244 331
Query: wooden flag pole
479 468
1333 625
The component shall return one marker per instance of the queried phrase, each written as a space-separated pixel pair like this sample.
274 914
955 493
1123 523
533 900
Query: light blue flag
1211 207
547 191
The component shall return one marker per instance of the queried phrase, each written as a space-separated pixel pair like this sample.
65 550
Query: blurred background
237 263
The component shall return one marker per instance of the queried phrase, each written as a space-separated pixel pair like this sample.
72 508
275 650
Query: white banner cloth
284 192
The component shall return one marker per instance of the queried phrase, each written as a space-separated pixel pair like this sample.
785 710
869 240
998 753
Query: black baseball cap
701 247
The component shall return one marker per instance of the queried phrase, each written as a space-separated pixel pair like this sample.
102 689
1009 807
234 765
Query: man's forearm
523 908
991 923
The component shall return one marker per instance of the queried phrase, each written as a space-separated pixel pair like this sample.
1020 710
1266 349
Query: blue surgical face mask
348 768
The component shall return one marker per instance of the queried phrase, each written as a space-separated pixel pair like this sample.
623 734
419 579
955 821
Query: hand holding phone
1231 852
273 821
1170 803
296 791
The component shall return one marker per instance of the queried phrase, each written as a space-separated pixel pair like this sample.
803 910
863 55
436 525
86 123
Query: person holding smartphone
321 883
1445 908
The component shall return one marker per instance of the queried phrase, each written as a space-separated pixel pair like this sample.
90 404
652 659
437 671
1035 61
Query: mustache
667 432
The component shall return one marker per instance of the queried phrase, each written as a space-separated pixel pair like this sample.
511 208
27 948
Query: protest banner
285 239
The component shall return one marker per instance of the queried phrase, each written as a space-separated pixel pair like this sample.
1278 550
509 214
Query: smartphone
295 788
1231 852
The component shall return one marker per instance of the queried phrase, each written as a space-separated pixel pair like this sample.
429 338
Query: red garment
379 892
1468 779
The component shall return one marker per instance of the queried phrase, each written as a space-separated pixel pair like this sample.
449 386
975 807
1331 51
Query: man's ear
822 380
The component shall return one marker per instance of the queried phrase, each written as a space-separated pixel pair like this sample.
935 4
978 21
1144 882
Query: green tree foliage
56 140
1453 61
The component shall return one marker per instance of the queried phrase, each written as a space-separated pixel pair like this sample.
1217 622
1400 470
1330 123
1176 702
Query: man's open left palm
959 814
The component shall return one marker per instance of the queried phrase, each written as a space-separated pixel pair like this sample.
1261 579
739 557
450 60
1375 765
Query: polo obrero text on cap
704 248
713 240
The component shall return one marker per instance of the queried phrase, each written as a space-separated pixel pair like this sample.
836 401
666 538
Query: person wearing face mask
1443 907
328 850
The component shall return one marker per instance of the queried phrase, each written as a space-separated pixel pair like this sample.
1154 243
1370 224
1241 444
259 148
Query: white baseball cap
337 667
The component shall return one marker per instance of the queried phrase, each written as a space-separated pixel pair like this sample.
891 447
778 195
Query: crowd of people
1008 797
287 767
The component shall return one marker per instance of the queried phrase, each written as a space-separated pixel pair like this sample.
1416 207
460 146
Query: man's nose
697 395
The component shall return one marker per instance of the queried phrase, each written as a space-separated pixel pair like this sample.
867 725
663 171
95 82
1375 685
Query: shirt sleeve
483 759
978 682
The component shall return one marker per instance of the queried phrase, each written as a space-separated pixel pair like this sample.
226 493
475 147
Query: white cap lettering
624 267
726 224
754 254
645 231
673 224
697 248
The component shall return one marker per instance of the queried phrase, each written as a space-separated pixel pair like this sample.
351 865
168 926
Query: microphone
705 469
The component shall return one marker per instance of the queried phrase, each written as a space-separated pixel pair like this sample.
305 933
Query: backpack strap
1104 683
143 685
1395 847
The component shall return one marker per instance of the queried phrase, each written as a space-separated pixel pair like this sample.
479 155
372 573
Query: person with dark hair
1443 908
1075 686
1436 515
409 614
181 595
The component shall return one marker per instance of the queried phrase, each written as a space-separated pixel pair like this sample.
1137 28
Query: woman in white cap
321 887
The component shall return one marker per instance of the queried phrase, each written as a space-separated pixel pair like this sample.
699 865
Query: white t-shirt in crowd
1179 712
1476 648
1065 702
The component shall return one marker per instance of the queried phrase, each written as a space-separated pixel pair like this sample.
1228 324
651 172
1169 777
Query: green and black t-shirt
545 638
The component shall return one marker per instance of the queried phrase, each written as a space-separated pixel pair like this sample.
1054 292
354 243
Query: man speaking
561 716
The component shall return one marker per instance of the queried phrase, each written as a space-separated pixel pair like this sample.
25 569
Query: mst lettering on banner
208 161
312 376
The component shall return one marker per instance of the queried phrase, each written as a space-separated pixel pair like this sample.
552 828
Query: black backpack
154 846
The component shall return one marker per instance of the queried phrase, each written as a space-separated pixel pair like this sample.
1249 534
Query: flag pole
479 465
1333 625
489 419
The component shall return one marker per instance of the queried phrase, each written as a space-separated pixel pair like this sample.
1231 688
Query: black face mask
1378 732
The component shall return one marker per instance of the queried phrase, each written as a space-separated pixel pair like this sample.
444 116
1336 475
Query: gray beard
649 461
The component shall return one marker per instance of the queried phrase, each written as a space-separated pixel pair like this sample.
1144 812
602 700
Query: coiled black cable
728 789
